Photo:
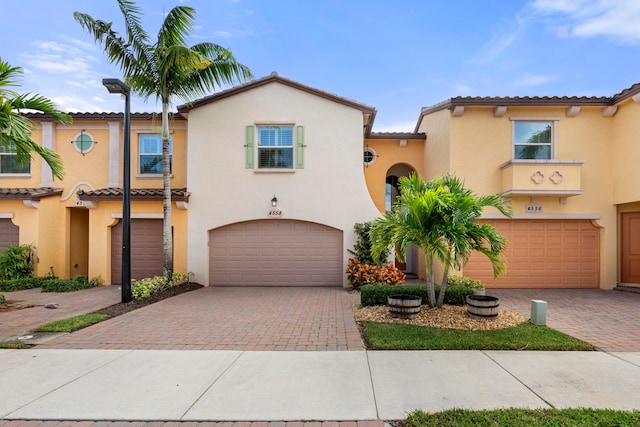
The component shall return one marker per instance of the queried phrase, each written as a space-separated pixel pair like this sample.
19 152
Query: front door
630 259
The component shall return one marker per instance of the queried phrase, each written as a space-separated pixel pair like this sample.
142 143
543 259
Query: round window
83 142
370 156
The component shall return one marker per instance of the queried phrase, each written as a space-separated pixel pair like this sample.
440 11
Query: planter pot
482 306
478 291
404 306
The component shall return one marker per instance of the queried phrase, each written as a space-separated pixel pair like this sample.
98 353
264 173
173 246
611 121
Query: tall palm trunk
431 291
167 238
443 286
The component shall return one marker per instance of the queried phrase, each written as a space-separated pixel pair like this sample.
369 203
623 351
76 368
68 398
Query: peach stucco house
269 178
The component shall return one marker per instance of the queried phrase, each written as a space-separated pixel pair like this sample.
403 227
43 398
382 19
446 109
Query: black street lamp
116 86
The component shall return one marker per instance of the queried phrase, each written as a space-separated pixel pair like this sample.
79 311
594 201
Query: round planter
482 306
478 291
404 306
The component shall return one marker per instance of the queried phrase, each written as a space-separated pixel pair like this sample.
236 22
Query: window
370 156
151 154
9 163
275 147
83 142
532 140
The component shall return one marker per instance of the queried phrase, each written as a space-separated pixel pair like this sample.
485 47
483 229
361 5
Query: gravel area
447 317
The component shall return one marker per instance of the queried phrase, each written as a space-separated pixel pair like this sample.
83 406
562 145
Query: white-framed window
83 142
9 162
150 154
277 147
369 156
533 139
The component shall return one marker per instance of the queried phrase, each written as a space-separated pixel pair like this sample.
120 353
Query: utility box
538 312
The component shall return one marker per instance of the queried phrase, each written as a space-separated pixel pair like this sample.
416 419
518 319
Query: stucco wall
626 152
330 190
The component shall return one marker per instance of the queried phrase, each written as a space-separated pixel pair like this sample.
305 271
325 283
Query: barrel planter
482 306
404 306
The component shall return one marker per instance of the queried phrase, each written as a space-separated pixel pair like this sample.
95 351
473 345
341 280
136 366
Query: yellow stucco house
269 178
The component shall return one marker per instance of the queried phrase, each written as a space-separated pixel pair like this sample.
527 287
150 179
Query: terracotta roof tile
28 193
397 135
177 194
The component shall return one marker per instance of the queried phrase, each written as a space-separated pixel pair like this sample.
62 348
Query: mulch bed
123 308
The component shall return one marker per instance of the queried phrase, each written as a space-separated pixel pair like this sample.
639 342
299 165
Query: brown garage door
544 254
146 249
9 234
275 253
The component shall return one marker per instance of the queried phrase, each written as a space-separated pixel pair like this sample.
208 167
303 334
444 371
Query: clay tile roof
104 116
28 193
177 194
397 135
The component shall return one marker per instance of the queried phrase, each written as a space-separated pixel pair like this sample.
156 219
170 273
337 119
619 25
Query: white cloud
462 90
533 80
222 33
616 19
501 41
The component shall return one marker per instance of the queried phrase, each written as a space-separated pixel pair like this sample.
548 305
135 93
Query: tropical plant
359 274
440 217
165 69
15 262
16 129
362 247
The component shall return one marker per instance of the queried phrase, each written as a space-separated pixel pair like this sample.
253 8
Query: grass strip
13 345
397 336
72 324
525 417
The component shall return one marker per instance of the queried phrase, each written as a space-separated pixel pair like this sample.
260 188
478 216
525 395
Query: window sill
540 162
151 176
274 171
15 175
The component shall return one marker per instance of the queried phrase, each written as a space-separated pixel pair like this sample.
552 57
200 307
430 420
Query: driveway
609 320
227 318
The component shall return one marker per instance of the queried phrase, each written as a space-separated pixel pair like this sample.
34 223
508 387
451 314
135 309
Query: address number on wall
275 213
533 208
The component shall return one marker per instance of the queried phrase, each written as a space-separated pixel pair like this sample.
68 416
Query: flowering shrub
465 281
143 288
359 274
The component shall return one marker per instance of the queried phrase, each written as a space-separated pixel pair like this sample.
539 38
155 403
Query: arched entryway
392 191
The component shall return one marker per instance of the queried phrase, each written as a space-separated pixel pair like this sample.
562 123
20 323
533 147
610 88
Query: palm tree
16 130
440 217
165 69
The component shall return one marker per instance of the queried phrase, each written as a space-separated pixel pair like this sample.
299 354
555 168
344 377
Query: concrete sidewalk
167 385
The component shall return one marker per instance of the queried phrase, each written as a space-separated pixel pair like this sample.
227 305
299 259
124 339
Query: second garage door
275 253
146 249
9 233
544 254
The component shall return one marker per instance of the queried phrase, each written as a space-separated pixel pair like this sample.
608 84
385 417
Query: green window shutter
248 148
300 147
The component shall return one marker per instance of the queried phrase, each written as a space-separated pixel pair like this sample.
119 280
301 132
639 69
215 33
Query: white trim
48 141
554 137
500 111
274 171
609 111
73 190
542 216
114 155
33 204
540 162
182 205
138 216
16 175
533 192
573 110
533 119
93 142
375 154
6 216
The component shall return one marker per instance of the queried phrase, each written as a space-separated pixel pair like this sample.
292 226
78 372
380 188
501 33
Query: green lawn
397 336
72 324
525 417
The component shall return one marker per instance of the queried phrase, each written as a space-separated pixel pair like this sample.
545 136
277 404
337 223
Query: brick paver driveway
609 320
226 318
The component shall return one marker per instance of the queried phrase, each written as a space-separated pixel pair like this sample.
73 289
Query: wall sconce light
274 202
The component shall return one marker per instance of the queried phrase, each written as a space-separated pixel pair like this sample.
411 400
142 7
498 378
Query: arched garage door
9 234
146 249
544 254
275 253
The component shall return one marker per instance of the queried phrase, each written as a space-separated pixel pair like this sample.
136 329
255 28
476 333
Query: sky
396 56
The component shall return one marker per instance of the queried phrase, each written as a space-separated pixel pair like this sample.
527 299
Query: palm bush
15 262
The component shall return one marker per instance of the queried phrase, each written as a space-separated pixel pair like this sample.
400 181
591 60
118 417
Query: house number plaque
533 209
275 213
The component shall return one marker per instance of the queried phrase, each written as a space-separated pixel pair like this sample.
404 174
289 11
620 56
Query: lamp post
116 86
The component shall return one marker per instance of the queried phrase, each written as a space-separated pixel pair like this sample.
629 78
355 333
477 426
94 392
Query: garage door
275 253
9 234
146 249
544 254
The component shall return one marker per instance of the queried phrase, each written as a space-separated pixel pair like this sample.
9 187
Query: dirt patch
13 306
447 317
123 308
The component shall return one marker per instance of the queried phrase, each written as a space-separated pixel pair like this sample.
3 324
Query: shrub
60 285
377 294
97 280
464 281
362 248
2 299
359 274
20 284
143 288
15 262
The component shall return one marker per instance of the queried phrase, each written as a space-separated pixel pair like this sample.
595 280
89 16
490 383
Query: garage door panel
275 253
9 233
544 253
146 249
